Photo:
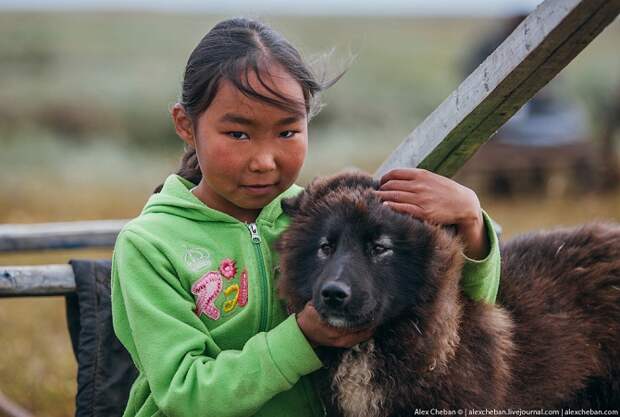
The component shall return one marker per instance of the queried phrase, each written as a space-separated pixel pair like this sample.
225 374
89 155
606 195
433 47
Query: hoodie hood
176 199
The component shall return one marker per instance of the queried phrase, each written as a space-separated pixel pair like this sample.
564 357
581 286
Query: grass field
85 134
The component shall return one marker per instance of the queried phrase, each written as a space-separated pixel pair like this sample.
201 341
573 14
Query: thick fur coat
552 340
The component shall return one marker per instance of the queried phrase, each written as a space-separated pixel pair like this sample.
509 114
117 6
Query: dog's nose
335 294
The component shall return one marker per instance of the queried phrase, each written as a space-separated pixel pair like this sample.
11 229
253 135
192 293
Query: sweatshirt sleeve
154 318
480 280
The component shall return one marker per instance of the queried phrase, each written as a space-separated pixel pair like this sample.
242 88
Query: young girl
193 289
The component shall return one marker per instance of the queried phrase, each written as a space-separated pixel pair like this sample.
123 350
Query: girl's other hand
320 333
440 200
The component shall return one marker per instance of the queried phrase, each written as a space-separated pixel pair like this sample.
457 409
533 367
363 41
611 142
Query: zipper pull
254 232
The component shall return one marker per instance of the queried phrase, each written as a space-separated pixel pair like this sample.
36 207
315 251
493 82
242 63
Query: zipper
255 236
256 240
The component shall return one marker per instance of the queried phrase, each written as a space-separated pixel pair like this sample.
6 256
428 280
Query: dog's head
360 262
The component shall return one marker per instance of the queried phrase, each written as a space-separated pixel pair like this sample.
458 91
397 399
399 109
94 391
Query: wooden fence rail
68 235
20 281
48 280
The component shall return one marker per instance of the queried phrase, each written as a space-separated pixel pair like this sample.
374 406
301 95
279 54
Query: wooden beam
538 49
10 409
69 235
20 281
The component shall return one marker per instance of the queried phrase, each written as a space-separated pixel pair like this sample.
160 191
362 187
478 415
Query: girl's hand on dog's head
439 200
429 196
320 333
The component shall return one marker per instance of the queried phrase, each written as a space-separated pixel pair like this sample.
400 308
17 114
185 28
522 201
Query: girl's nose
262 162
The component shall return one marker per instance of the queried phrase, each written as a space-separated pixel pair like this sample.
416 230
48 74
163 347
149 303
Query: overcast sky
314 7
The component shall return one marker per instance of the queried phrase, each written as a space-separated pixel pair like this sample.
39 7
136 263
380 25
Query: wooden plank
10 409
538 49
68 235
20 281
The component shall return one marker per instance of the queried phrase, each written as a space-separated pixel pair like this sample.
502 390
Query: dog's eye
377 250
381 246
325 249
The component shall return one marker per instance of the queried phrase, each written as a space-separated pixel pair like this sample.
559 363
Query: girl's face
249 151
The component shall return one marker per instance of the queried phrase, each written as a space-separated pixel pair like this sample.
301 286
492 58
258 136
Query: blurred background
85 133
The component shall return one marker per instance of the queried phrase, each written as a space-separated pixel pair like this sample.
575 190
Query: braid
189 169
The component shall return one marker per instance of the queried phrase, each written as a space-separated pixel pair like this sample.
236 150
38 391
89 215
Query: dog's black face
359 262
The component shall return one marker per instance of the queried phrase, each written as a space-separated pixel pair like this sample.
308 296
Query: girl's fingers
402 185
366 334
396 196
403 202
353 339
402 197
403 174
408 208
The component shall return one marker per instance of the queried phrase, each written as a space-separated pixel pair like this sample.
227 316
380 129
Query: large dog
552 340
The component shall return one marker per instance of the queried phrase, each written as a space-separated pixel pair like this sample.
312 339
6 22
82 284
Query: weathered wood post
536 51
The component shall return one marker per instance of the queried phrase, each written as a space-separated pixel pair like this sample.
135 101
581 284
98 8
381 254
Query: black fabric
105 369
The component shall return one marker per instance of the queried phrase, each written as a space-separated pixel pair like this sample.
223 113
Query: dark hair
231 50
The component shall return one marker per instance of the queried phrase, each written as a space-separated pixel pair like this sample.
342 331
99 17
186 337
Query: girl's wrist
471 219
473 232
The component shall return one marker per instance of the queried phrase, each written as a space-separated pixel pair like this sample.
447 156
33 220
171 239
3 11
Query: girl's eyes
237 135
287 134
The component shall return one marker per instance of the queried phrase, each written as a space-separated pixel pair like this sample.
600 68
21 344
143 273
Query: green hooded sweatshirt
194 302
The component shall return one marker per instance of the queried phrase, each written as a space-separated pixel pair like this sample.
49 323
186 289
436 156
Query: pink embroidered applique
228 269
243 289
207 289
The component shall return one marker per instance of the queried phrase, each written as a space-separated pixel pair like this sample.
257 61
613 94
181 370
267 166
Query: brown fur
551 341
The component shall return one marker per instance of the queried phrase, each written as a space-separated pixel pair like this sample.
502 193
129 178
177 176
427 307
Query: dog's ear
319 187
291 205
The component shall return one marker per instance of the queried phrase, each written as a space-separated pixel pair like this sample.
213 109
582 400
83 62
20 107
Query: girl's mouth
260 189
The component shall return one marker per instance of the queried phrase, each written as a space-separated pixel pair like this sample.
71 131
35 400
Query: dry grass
527 214
37 368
